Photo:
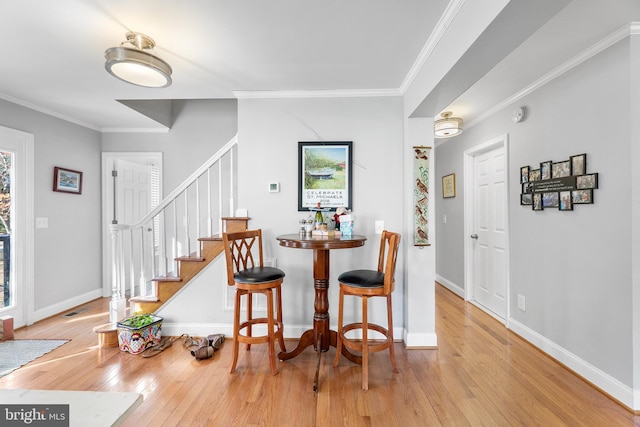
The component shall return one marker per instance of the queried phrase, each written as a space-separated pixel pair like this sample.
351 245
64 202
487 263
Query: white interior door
129 193
488 230
133 195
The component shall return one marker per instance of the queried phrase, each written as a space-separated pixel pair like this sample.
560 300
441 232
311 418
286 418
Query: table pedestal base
307 339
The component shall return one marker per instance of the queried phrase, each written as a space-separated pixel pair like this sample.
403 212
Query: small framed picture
536 201
566 203
449 186
534 175
550 199
545 170
584 182
526 199
578 164
561 169
67 180
582 197
526 188
524 174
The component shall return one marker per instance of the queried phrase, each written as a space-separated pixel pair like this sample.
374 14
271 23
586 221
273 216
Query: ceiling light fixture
447 126
135 65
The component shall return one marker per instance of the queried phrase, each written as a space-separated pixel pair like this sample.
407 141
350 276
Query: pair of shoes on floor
156 349
207 346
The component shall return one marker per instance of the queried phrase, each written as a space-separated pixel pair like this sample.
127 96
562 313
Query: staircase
164 287
158 255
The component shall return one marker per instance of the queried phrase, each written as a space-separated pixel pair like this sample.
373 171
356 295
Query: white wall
574 268
67 266
268 133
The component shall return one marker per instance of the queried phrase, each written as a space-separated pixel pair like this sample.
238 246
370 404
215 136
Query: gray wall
200 128
67 254
574 268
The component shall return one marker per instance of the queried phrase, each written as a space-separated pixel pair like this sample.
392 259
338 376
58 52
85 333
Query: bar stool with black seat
246 271
366 284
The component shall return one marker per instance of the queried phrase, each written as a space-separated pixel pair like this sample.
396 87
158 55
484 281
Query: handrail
182 187
149 247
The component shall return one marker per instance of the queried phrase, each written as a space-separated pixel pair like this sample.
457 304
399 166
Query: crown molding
135 130
347 93
46 111
440 29
605 43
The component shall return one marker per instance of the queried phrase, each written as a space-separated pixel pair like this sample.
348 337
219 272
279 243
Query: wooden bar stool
366 284
251 277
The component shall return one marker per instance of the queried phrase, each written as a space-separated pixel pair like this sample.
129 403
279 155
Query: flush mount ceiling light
135 64
447 126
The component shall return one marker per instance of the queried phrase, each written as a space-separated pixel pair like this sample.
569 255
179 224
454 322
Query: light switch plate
42 222
379 226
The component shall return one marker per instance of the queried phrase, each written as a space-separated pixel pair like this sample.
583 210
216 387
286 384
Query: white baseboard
450 285
420 340
621 392
58 308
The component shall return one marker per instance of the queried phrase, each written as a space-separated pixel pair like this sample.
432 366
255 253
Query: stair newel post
117 305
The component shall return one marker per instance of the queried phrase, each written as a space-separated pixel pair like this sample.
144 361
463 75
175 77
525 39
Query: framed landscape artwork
67 180
325 175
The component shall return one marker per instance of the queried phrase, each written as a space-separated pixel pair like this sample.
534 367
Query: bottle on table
319 218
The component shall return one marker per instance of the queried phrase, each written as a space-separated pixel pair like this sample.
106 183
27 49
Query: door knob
474 236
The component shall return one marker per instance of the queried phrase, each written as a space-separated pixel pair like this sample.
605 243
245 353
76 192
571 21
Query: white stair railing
150 247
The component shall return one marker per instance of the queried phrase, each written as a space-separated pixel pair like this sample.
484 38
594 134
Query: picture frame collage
558 185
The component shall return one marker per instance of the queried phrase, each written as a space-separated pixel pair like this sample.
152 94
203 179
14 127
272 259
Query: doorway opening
16 226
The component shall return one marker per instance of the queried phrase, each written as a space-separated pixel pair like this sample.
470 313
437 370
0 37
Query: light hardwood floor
481 375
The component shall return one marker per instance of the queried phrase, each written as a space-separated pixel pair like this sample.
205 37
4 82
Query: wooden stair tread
167 279
190 259
190 266
146 298
215 238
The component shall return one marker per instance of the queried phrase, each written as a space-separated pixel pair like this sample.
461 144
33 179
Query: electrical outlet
379 226
521 302
42 222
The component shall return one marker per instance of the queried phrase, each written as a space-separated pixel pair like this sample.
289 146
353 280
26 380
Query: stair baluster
139 250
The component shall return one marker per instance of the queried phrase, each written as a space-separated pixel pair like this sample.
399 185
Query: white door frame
108 160
469 155
23 239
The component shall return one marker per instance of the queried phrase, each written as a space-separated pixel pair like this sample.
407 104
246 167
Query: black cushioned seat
362 278
258 274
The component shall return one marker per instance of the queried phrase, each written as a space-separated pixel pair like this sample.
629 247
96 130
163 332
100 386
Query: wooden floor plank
481 374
